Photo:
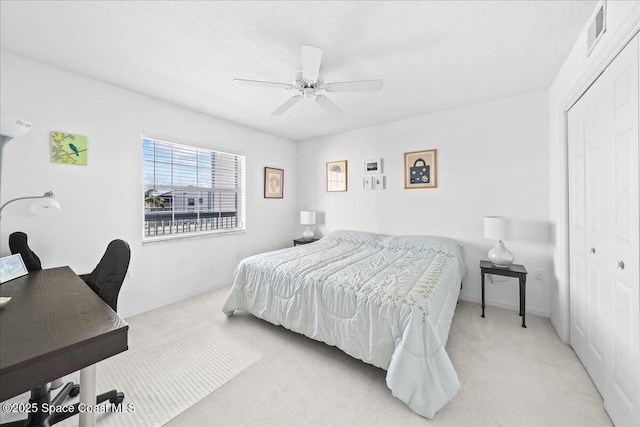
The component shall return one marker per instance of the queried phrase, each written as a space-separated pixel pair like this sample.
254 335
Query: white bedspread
387 300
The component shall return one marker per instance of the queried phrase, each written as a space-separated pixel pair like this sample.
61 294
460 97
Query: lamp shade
12 128
45 206
307 217
498 228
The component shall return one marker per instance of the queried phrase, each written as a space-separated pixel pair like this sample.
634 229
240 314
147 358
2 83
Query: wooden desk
53 326
514 270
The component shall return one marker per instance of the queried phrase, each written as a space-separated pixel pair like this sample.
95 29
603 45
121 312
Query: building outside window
175 175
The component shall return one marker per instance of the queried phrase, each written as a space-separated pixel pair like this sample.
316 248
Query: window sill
190 236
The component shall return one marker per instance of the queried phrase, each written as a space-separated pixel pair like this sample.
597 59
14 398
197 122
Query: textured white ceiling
432 55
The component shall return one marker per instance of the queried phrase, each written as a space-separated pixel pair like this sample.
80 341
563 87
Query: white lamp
44 205
307 218
500 228
9 129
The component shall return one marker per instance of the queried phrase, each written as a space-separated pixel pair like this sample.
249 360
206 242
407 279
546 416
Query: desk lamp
9 129
44 205
307 218
499 228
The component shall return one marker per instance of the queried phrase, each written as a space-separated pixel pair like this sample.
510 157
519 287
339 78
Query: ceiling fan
308 82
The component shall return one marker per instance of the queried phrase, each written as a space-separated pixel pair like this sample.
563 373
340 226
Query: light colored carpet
165 377
510 376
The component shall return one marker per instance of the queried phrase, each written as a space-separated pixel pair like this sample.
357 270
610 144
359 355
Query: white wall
104 200
492 160
576 74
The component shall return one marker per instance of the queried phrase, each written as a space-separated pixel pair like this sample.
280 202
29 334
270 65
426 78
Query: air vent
597 27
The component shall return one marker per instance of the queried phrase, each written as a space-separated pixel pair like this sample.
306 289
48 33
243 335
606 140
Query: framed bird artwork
68 148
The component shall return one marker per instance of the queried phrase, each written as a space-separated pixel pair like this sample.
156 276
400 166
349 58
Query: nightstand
514 270
297 242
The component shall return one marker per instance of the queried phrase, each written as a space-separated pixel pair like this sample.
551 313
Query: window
175 175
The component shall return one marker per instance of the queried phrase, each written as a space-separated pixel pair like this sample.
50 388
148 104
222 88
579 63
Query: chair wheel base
75 390
117 399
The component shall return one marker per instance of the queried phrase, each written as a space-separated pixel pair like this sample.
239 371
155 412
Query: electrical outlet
540 275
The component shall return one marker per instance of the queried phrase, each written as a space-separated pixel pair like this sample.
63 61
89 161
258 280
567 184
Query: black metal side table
514 270
297 242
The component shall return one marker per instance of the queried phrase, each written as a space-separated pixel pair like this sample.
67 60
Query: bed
386 300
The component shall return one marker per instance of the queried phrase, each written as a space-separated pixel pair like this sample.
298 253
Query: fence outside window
190 190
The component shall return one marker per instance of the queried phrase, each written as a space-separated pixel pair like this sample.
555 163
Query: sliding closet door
604 235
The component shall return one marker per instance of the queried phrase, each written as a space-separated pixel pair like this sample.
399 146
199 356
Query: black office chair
105 280
18 245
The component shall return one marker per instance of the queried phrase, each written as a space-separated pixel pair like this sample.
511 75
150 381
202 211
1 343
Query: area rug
163 379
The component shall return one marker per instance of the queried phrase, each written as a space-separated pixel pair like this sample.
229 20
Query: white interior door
597 115
623 398
604 235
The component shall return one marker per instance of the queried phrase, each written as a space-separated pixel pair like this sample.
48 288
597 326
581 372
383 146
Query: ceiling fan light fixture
308 83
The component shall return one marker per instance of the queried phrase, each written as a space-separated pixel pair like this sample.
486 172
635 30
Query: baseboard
168 301
511 307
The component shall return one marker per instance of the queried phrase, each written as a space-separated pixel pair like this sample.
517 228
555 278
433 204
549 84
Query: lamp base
308 234
500 256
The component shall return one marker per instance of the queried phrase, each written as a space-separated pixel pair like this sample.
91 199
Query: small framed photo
367 183
378 182
337 176
420 169
273 183
373 166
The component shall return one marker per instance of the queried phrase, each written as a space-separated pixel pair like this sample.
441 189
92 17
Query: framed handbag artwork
420 169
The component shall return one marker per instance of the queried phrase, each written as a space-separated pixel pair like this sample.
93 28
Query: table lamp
307 218
500 228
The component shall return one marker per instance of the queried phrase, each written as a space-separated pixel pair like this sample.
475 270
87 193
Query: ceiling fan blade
288 104
362 85
328 105
311 57
263 84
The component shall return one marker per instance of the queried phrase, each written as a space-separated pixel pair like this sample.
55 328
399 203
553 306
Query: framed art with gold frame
420 169
337 176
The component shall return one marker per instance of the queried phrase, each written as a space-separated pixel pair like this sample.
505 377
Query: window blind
191 190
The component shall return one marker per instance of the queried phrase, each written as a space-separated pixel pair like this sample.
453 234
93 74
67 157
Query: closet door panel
597 120
623 398
577 253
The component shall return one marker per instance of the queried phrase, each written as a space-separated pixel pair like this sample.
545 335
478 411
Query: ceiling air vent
597 27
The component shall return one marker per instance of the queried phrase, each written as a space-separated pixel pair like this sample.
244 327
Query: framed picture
420 169
367 183
337 176
373 166
378 182
68 148
273 183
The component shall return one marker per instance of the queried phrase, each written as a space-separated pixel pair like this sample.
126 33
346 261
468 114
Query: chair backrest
106 279
18 245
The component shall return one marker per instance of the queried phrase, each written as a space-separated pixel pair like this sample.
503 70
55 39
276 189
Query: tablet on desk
11 267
